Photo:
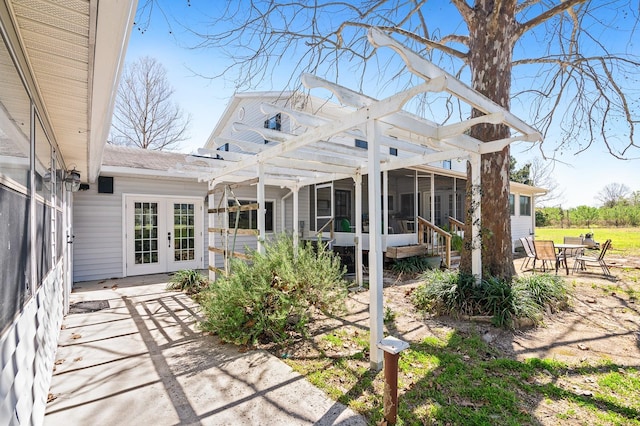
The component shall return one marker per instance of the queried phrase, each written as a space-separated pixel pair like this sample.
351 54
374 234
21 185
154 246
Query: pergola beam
380 109
428 71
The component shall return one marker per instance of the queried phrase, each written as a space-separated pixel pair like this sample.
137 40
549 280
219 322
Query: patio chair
345 225
575 252
582 260
528 250
546 252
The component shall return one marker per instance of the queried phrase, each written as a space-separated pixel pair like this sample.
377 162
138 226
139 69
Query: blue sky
580 177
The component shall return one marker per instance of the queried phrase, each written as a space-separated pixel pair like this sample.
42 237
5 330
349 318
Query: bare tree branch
546 15
144 115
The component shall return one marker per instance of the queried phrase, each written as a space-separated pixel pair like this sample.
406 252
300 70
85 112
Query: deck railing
436 240
456 227
329 224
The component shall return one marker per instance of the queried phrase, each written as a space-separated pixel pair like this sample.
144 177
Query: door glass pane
183 232
146 233
323 195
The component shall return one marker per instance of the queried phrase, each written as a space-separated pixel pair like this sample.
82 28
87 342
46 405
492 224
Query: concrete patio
130 353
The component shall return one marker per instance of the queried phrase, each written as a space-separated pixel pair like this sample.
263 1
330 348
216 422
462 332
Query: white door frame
165 212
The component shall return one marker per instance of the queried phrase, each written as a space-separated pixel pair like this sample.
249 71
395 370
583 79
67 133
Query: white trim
198 217
130 171
266 200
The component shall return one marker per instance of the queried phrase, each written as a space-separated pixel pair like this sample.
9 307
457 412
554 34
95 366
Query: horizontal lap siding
98 223
243 242
521 226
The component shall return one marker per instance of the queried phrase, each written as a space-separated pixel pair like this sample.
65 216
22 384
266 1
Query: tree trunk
490 51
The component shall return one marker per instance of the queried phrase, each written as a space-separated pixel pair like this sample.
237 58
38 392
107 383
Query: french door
163 234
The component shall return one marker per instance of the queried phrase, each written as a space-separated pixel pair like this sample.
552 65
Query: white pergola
315 155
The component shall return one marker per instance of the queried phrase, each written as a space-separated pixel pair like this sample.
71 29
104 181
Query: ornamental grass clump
188 280
269 298
456 294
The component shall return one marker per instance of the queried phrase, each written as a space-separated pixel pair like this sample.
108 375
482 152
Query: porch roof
322 147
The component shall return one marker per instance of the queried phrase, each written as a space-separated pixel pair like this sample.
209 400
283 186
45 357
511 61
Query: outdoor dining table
562 249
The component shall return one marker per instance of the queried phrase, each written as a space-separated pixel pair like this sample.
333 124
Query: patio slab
133 355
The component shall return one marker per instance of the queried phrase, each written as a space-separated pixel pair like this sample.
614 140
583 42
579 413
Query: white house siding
522 226
242 242
98 249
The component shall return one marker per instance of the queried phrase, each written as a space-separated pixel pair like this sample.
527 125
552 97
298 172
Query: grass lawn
626 241
457 379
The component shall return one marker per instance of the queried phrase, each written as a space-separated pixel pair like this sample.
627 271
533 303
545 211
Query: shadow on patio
133 355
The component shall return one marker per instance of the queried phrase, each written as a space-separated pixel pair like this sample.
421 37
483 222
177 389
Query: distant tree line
623 212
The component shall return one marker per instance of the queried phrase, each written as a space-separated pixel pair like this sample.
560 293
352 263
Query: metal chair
582 260
529 251
546 252
572 252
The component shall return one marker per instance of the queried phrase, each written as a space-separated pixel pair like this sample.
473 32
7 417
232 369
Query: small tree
521 175
541 175
144 114
612 194
585 214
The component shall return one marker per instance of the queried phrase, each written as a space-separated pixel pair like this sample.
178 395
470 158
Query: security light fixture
72 181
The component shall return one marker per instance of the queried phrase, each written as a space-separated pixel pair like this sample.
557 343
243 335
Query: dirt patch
601 326
602 322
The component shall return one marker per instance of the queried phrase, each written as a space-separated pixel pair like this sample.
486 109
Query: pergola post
358 237
261 208
385 205
211 223
375 246
476 226
296 226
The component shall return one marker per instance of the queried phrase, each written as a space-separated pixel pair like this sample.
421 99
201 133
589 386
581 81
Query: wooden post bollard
391 346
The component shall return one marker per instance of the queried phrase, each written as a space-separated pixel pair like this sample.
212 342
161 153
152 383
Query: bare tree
144 114
541 175
612 194
549 56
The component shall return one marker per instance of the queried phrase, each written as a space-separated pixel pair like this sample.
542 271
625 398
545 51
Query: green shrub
452 293
411 265
188 280
268 299
456 242
445 293
544 289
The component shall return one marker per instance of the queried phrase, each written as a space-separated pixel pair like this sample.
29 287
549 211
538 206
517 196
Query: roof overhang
75 52
522 188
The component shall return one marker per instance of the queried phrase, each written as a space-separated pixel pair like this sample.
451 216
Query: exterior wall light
72 181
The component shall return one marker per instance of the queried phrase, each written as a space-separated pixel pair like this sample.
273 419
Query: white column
211 223
296 223
261 209
226 229
375 247
476 226
385 206
416 201
358 237
68 249
432 189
